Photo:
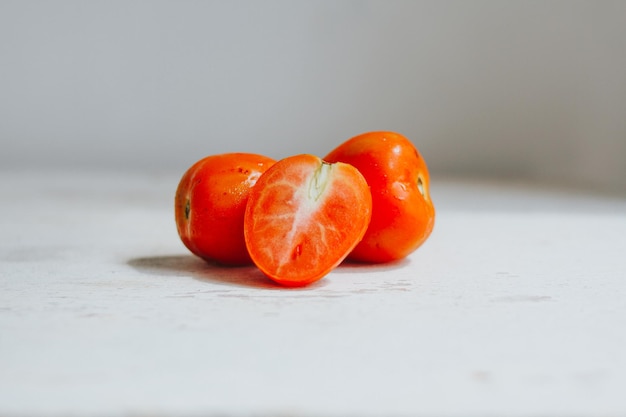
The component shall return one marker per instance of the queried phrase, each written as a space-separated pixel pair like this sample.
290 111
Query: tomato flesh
304 216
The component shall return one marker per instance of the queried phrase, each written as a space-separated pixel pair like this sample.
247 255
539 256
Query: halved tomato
304 216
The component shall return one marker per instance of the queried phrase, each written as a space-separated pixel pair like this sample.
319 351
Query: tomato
210 203
403 214
304 216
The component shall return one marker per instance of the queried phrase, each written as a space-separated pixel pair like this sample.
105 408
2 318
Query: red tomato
210 203
403 214
304 216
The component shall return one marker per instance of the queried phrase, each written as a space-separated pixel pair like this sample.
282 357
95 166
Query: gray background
532 90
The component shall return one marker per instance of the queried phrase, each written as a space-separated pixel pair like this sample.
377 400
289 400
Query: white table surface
516 306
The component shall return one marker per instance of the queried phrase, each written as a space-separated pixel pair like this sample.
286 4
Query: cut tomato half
304 216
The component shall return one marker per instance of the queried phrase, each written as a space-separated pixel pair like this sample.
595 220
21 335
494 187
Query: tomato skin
303 218
210 202
403 215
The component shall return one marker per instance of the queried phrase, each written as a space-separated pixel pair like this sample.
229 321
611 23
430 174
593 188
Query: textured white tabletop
516 306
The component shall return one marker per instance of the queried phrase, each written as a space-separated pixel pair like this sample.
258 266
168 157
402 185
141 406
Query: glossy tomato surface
210 203
403 215
304 216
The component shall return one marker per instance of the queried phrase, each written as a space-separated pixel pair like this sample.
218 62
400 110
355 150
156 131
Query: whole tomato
403 214
210 203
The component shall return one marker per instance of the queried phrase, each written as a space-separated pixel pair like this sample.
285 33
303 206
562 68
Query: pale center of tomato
319 180
307 201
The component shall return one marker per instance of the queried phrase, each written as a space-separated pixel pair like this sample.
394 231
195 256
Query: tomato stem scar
187 209
420 186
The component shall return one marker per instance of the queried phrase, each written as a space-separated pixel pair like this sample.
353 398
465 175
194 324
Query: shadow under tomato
196 268
351 267
241 276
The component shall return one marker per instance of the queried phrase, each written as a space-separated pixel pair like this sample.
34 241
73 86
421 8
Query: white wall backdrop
521 89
